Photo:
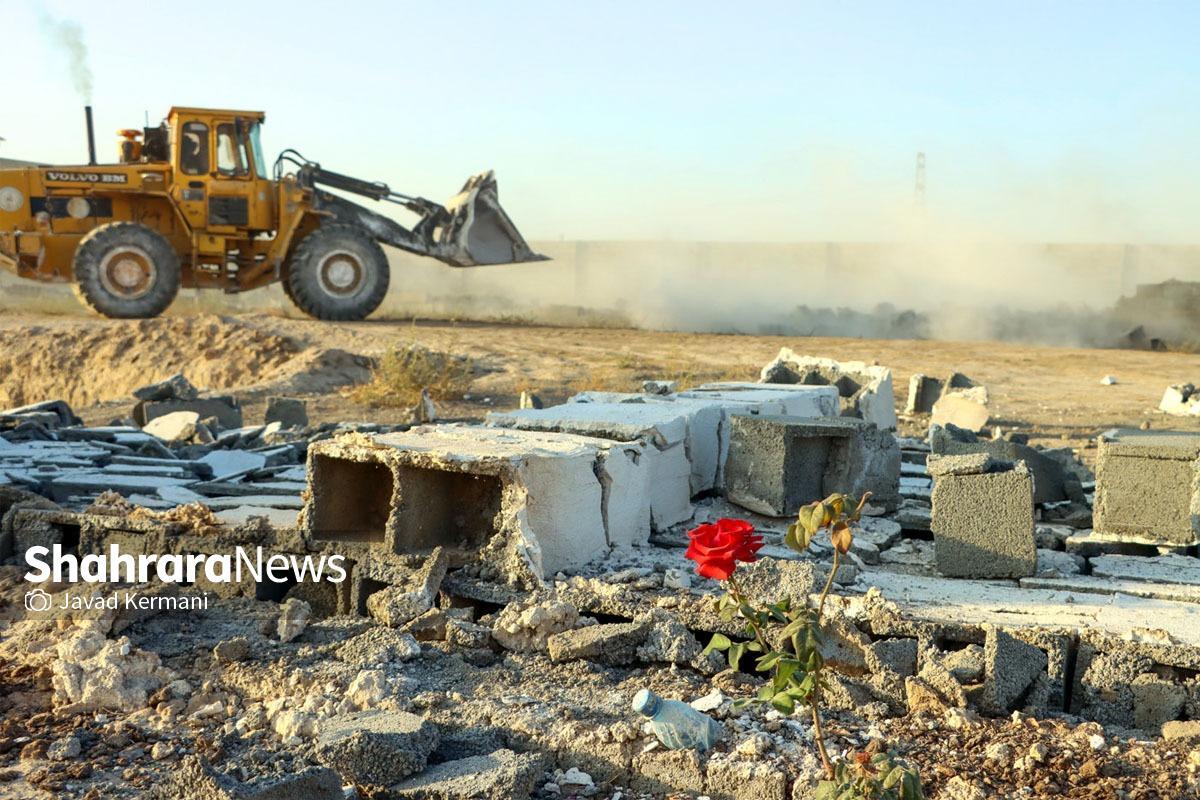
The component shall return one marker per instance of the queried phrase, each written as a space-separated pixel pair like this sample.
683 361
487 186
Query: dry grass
626 371
404 371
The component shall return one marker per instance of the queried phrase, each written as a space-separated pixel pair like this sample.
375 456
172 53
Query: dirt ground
1053 393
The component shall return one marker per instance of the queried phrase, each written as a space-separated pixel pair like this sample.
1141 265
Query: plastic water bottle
677 725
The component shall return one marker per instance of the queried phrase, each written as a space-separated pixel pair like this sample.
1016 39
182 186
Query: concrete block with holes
522 504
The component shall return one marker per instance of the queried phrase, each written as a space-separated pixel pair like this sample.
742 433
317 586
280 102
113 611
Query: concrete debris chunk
966 408
923 392
224 409
175 387
769 580
1182 400
1156 702
501 775
612 644
983 523
196 779
778 464
866 390
293 619
1148 487
290 412
379 645
376 748
1010 668
525 626
178 426
396 606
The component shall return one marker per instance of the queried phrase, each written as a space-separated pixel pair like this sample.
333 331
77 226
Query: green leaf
785 671
719 641
765 693
767 661
736 651
783 703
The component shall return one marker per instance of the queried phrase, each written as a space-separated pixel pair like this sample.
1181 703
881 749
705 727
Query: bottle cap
646 703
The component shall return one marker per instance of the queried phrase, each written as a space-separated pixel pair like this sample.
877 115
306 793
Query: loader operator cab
221 186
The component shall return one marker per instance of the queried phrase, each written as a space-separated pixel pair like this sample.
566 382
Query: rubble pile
468 610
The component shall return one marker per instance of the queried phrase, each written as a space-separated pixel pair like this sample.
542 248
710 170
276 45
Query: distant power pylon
919 184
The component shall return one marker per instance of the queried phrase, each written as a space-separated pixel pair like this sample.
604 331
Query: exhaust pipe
91 134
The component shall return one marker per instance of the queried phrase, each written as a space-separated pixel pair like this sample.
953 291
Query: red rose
717 547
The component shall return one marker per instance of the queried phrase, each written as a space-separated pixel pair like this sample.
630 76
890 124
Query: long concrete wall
754 287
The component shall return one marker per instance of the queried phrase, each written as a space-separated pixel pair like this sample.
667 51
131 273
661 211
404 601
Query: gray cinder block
1148 487
777 464
982 518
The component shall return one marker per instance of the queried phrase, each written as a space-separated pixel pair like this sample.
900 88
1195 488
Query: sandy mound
91 361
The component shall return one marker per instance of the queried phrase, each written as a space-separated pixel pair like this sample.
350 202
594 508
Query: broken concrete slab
175 387
783 399
982 523
226 464
526 503
614 644
778 464
1170 568
1148 487
866 390
178 426
501 775
959 604
1182 400
1184 593
195 779
224 408
649 457
965 408
91 483
61 413
290 412
376 748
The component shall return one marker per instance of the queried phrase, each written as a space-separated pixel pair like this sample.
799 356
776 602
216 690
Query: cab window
260 164
193 156
231 152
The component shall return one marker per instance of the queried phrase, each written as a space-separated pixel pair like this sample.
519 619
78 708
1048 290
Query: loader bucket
479 232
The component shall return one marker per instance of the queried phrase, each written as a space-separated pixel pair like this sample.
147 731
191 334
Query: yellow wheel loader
191 204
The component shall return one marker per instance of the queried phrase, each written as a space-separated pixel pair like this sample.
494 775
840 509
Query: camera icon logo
37 600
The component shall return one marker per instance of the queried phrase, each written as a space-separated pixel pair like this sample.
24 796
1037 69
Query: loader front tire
125 270
337 272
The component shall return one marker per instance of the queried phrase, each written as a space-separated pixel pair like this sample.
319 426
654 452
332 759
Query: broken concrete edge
867 389
539 502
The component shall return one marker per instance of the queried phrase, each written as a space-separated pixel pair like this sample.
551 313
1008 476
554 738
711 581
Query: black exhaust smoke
91 133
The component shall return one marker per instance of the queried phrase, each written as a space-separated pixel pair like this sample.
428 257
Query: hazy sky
680 120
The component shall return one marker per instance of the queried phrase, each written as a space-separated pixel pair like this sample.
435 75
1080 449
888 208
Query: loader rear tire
125 270
337 272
